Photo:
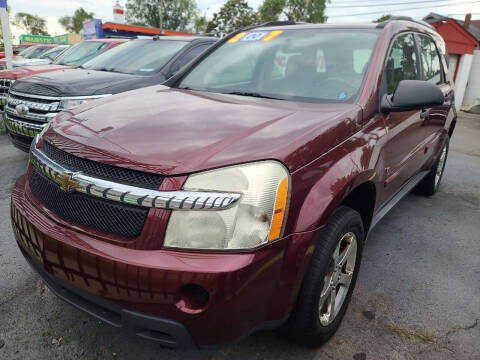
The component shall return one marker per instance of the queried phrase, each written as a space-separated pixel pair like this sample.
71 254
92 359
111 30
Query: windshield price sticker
255 36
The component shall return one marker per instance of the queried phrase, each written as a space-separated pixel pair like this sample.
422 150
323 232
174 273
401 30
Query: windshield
22 49
52 54
79 53
138 57
35 52
313 65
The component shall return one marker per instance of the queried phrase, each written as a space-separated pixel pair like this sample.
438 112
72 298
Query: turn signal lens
280 209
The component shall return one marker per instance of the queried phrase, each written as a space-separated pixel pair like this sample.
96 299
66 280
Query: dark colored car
238 196
74 56
135 64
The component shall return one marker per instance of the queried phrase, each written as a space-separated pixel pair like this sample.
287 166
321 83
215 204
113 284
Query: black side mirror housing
412 95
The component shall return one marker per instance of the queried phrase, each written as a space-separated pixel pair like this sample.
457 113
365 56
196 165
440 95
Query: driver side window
402 62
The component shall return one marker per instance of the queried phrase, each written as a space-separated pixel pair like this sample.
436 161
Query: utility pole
160 14
7 39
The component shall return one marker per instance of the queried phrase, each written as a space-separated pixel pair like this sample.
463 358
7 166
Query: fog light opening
192 298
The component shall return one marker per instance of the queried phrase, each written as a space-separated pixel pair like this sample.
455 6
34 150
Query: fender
331 178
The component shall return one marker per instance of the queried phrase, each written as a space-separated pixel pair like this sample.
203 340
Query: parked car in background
70 58
17 49
46 58
238 196
138 63
33 52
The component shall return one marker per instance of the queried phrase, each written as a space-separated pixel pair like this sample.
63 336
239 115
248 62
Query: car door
404 148
188 56
433 71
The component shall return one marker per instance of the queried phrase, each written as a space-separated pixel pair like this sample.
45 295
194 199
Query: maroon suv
240 195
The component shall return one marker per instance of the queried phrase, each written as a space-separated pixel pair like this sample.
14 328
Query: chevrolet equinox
238 196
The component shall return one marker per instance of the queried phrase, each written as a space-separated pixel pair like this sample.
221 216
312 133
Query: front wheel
329 281
430 183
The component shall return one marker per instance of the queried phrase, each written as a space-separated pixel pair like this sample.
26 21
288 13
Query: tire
310 323
430 183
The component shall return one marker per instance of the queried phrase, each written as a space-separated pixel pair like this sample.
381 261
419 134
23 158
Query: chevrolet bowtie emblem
66 182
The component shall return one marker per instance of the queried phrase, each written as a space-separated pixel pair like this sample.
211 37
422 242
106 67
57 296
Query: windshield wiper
252 94
109 70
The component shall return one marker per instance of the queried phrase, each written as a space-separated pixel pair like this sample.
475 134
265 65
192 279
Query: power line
389 4
404 9
368 2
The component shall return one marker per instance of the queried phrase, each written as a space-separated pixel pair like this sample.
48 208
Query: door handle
424 114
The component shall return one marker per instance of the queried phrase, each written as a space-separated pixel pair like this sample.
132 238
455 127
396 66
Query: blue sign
3 4
92 29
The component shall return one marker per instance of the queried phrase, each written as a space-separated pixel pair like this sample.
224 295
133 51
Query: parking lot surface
417 296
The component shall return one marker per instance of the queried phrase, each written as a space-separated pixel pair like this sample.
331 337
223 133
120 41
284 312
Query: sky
337 10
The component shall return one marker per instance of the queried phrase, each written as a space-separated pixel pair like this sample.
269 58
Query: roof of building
473 28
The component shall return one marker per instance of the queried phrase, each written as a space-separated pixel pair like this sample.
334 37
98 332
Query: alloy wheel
338 278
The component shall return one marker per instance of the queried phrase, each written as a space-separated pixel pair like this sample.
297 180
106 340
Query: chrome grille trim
174 200
22 128
30 116
14 101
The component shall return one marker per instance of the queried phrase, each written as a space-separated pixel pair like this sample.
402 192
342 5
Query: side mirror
412 95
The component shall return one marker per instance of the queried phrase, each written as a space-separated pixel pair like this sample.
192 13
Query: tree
233 15
75 23
271 10
32 24
382 18
312 11
166 14
200 24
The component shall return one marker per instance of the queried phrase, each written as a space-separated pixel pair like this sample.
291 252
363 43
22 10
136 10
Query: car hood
173 132
21 72
30 62
82 82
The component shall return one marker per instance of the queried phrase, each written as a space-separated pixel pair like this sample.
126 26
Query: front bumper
142 289
167 332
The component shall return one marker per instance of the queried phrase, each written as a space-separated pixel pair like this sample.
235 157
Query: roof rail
404 18
278 23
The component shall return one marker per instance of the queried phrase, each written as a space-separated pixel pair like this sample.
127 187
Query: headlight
66 104
257 218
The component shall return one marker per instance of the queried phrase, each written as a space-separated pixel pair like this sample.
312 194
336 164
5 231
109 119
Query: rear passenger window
430 60
402 62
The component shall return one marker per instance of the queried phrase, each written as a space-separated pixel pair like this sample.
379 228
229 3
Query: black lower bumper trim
167 332
19 141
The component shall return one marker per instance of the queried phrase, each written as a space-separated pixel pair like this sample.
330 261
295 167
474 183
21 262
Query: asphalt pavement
417 296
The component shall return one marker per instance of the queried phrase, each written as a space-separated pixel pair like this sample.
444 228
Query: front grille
102 215
40 111
18 126
103 171
4 87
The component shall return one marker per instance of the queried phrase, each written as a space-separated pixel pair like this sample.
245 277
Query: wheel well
362 199
452 127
